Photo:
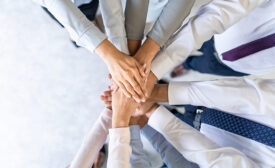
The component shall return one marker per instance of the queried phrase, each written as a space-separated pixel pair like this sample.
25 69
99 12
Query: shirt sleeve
242 95
135 18
138 158
170 156
213 18
94 141
193 145
81 30
119 148
113 19
170 20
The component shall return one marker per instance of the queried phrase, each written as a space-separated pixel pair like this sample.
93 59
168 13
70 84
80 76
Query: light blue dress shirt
170 156
138 158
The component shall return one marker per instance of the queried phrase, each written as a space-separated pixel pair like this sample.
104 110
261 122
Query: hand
146 54
106 97
144 108
150 83
123 107
128 74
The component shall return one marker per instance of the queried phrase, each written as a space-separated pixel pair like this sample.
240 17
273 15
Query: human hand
145 108
128 74
123 107
146 54
106 97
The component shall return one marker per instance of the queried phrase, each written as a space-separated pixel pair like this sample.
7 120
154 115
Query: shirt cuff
155 35
161 65
178 93
160 119
91 39
135 132
121 135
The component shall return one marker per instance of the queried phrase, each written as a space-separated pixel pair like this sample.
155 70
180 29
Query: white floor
49 90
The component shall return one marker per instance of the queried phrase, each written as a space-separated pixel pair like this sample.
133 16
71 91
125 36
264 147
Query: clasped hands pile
132 79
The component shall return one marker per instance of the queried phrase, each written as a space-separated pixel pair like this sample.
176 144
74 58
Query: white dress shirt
213 18
119 148
252 99
195 146
258 24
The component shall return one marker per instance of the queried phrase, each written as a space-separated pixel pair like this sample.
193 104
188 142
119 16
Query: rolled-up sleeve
170 20
81 30
213 18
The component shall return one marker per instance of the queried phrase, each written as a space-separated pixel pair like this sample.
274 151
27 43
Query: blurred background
49 90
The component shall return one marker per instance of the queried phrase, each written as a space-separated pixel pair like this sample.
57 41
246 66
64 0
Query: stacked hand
126 71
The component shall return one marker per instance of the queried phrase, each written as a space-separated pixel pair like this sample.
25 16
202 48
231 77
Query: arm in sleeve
92 144
119 148
81 30
113 19
170 20
135 18
138 158
213 18
170 156
245 96
193 145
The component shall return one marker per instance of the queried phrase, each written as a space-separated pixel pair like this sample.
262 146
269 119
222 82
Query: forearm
135 18
160 93
106 50
138 157
133 46
231 95
170 20
213 18
113 19
81 30
170 156
119 148
193 145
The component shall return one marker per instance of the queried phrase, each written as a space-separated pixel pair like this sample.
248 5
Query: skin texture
125 70
133 46
123 107
146 54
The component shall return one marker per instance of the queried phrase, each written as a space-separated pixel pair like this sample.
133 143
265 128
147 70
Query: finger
109 76
141 69
137 88
102 97
132 91
124 90
107 93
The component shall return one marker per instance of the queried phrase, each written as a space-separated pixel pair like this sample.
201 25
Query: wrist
116 123
106 50
147 51
152 110
160 93
133 46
